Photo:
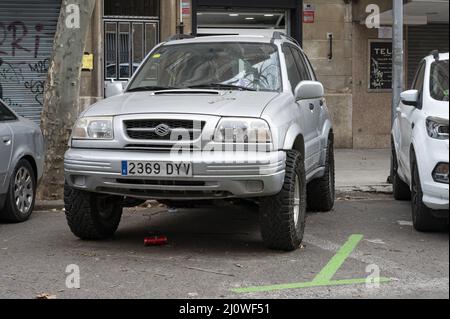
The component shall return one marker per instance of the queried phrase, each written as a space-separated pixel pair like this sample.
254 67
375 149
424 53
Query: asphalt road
213 252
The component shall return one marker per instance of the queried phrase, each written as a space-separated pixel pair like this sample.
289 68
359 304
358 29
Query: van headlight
243 130
95 128
437 128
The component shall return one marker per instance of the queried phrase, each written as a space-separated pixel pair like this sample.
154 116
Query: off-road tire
277 219
423 219
10 213
92 216
401 190
321 191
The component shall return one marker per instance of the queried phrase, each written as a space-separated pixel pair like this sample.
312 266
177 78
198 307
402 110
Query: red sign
308 16
186 7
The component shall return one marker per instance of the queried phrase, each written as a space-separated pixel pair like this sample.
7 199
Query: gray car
21 165
207 119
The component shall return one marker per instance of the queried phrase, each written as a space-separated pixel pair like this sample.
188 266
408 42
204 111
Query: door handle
6 140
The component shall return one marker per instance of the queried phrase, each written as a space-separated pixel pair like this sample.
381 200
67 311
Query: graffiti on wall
22 68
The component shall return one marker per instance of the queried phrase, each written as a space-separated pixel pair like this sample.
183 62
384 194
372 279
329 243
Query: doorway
242 22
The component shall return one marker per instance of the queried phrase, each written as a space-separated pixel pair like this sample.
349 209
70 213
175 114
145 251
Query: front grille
164 130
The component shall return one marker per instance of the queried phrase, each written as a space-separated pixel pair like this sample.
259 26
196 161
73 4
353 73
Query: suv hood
205 102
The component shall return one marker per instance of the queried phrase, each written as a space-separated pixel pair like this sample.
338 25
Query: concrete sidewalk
363 170
356 171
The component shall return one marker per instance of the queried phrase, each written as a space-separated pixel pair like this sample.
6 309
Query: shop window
131 8
126 45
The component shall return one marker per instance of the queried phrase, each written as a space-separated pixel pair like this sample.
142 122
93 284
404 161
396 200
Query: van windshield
240 66
439 80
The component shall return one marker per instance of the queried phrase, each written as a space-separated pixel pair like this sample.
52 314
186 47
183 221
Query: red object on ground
155 241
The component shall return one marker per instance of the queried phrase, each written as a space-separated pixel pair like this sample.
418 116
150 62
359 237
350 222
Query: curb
47 205
377 189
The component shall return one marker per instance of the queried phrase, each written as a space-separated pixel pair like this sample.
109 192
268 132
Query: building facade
352 59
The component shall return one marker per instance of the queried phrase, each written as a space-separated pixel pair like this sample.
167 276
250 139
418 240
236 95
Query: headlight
437 128
242 130
96 128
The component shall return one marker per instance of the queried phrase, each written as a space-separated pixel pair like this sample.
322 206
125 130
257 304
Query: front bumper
433 152
216 175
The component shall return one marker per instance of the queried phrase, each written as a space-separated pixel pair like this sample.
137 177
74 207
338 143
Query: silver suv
212 118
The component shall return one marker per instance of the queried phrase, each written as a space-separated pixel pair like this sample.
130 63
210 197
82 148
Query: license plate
156 169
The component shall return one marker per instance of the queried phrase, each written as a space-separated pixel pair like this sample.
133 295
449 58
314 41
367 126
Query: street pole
397 55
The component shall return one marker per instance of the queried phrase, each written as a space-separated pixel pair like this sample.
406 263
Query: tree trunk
62 91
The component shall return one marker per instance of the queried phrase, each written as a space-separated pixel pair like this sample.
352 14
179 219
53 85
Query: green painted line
311 284
324 278
327 273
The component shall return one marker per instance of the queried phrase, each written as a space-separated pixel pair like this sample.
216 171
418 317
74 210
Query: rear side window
6 114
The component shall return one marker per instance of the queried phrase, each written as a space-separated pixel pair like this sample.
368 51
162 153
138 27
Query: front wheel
321 191
92 216
423 219
283 216
21 194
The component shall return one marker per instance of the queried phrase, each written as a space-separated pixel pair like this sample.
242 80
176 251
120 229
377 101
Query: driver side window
419 82
6 114
293 73
419 79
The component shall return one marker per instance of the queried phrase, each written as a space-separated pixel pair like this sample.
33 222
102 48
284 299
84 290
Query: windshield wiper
221 86
151 88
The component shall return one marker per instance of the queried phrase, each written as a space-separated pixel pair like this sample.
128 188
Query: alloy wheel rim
296 200
23 190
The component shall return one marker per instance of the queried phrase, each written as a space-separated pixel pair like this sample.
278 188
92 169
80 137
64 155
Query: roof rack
180 37
435 54
278 35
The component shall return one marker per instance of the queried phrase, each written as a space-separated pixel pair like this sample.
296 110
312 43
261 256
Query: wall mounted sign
88 62
380 66
186 8
309 13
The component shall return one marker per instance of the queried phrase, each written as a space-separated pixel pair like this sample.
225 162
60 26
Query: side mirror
410 98
113 89
307 90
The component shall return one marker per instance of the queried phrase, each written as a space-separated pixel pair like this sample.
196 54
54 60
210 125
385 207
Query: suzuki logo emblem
162 130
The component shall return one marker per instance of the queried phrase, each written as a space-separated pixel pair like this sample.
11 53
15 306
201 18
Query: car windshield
439 80
227 66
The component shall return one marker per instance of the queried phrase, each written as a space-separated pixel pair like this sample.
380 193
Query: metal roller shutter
421 41
27 30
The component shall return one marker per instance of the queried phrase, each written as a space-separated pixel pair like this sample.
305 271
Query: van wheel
321 191
21 194
283 216
423 219
92 216
400 188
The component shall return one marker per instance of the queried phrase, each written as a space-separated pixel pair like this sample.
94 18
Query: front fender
291 135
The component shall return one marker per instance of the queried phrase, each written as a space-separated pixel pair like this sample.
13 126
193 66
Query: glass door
241 22
127 42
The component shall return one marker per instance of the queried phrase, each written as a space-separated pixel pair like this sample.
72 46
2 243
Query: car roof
442 56
230 38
